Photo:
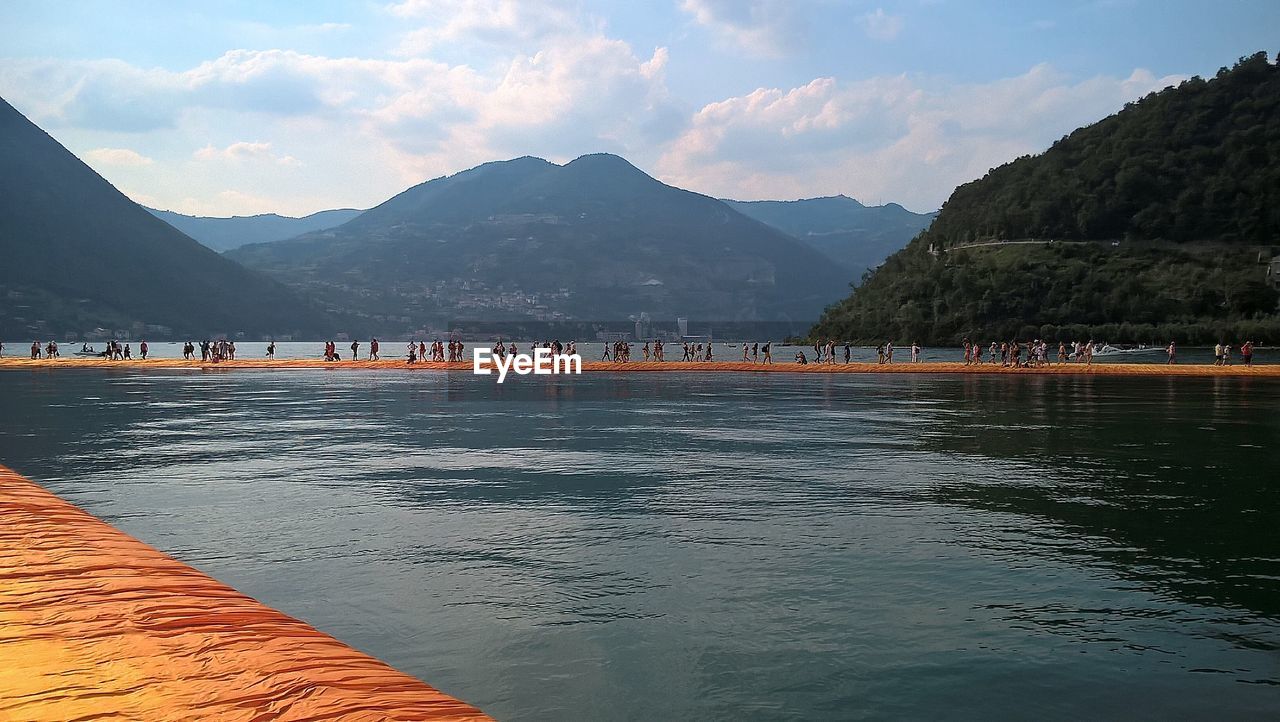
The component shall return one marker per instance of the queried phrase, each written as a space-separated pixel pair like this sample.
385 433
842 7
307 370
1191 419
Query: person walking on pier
1246 353
143 348
768 355
915 353
848 352
355 350
1172 350
373 349
888 353
271 351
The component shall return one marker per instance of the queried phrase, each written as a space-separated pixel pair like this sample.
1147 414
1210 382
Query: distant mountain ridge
1158 223
857 236
224 234
594 239
76 255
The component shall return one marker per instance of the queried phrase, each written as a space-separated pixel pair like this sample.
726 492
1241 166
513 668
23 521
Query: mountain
223 234
851 234
76 254
595 239
1157 223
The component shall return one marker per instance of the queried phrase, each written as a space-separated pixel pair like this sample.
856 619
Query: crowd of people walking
1015 354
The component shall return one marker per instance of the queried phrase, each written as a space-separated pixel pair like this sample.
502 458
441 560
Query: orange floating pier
96 625
1096 369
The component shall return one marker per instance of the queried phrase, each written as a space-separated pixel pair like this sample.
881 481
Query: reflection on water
677 546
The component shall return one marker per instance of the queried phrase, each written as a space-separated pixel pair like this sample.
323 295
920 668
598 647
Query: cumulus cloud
394 120
558 87
515 23
219 204
324 27
762 27
109 95
880 25
896 138
116 157
242 150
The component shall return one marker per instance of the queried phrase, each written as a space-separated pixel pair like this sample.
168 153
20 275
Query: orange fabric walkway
94 624
1097 369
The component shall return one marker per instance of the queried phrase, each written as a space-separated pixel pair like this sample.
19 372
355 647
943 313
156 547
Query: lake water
696 546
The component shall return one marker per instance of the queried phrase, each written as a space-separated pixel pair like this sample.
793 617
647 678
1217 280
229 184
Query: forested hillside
78 258
1155 223
595 239
225 234
857 237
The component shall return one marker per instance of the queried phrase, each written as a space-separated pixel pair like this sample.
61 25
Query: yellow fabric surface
900 367
96 625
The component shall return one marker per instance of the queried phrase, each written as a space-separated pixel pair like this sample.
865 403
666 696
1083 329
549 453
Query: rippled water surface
716 546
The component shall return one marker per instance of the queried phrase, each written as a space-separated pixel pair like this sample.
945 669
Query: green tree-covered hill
1156 223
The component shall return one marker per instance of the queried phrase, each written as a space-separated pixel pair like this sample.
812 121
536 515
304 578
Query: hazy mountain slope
857 236
594 239
1161 219
75 254
223 234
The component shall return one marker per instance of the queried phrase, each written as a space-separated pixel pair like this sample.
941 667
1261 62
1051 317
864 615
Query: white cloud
556 86
768 28
220 204
513 23
242 150
391 121
116 157
324 27
895 138
879 25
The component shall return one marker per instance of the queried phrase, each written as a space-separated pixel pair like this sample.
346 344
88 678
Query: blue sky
245 107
